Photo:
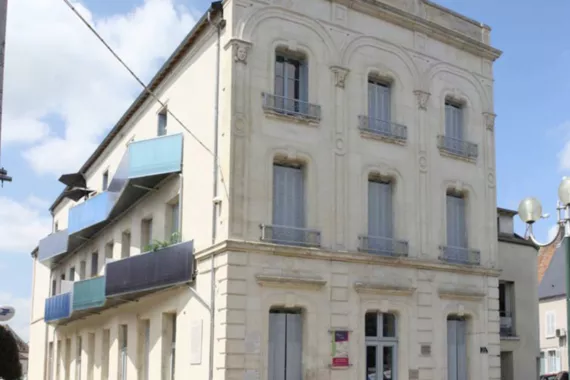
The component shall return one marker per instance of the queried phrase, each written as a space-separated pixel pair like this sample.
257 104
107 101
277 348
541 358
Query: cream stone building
313 197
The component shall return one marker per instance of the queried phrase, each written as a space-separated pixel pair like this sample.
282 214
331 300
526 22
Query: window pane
388 362
389 325
371 363
371 324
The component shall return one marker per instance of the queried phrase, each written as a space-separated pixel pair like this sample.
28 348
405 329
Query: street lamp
530 210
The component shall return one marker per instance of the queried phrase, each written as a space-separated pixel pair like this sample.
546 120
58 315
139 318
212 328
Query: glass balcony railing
150 271
90 213
58 307
52 247
88 294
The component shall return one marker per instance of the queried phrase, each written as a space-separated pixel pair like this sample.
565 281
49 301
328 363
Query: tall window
105 180
173 347
78 359
542 363
454 121
456 228
53 287
50 361
123 345
109 250
550 324
381 346
285 345
553 361
456 348
379 104
72 274
58 359
126 244
174 214
506 308
380 215
105 354
146 349
94 264
162 119
291 84
146 234
82 270
288 204
67 362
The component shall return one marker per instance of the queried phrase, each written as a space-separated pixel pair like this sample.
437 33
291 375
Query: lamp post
530 210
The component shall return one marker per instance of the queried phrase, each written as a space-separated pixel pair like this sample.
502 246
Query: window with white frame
380 215
381 336
456 348
285 344
379 104
553 361
550 324
291 83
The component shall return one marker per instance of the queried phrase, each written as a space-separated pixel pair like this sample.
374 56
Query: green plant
157 245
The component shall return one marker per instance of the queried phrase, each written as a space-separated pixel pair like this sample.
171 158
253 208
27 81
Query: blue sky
57 75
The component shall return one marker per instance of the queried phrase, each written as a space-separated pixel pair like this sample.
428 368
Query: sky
63 91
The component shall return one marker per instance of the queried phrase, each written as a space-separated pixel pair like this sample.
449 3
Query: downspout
215 9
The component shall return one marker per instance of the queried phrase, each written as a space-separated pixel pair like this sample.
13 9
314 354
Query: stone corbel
240 49
340 74
489 120
422 98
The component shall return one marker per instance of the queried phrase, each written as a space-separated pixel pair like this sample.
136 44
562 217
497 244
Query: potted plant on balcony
157 245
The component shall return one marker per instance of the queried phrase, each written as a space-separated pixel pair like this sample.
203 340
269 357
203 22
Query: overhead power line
148 90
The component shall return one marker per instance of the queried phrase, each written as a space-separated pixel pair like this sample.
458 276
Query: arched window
381 346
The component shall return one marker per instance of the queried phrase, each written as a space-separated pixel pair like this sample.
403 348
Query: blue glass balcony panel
91 212
52 247
58 307
89 293
145 273
156 156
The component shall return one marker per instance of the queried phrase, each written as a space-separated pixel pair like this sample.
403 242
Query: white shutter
461 350
454 122
294 347
452 350
276 359
379 105
456 223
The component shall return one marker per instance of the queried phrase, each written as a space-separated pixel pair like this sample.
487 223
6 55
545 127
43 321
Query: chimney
505 221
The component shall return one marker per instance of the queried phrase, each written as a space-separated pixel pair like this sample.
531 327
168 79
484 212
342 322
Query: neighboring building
552 309
518 302
22 349
355 199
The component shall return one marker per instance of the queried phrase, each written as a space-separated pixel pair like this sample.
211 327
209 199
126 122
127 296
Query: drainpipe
215 9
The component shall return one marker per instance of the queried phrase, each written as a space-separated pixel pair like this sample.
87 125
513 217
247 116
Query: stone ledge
290 281
386 139
461 294
458 157
383 288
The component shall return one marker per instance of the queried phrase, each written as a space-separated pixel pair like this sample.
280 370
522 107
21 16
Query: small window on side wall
162 121
105 180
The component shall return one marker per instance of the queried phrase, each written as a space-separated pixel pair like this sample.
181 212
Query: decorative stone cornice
422 98
383 288
290 281
340 74
489 120
240 49
461 294
341 256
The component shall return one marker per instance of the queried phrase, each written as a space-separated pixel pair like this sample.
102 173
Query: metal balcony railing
291 107
383 128
290 235
457 147
382 246
459 255
507 326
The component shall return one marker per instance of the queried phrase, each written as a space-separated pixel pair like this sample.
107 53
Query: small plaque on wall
340 349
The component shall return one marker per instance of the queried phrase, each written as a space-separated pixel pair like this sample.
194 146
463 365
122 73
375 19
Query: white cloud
58 70
21 321
22 225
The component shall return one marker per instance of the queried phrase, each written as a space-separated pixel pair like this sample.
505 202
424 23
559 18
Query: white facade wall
334 285
548 342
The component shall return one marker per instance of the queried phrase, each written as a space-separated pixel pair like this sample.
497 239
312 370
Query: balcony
290 235
52 247
295 108
457 148
137 275
507 326
459 255
58 307
90 213
89 294
146 164
383 246
381 129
